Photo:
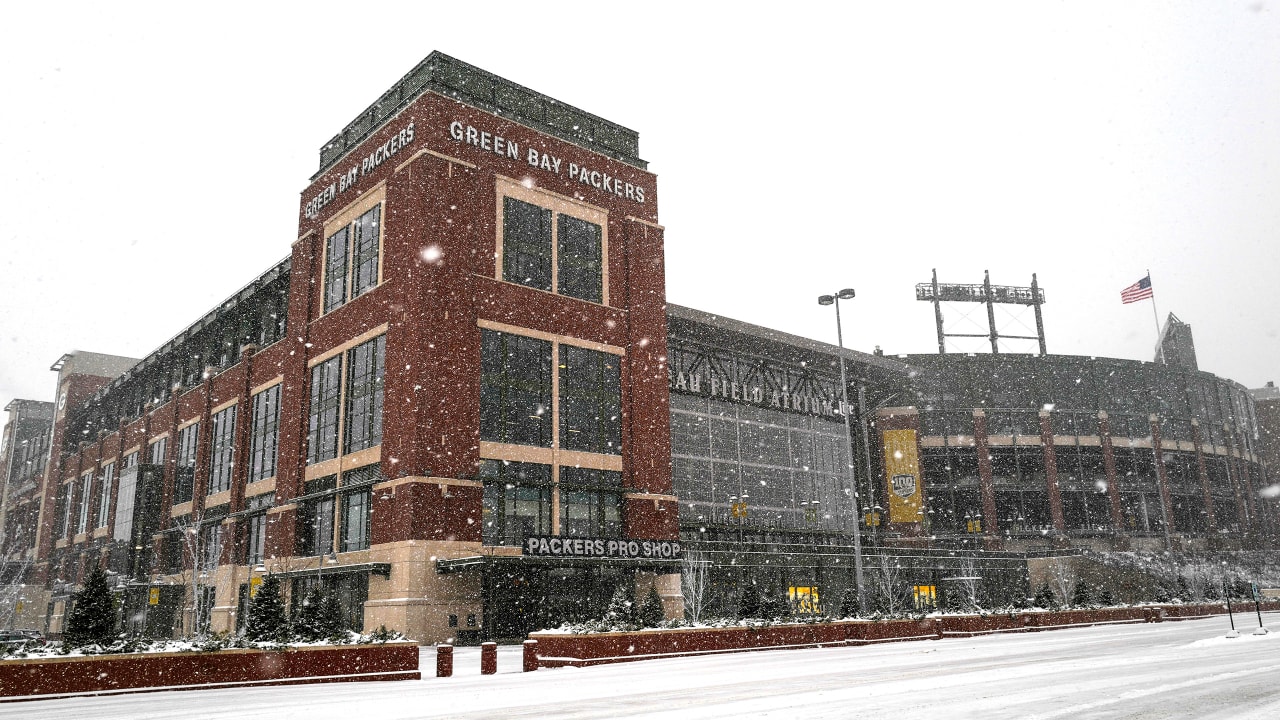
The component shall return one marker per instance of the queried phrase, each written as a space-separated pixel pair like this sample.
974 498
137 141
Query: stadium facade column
1257 522
1113 486
1162 478
1202 472
1051 476
986 483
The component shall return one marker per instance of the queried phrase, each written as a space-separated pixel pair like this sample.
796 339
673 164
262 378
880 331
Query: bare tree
967 583
891 592
12 589
695 572
1062 578
201 544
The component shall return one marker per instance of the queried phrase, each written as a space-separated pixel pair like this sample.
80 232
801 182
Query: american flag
1140 290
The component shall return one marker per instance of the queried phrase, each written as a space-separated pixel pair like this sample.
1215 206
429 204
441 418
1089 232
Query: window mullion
555 253
555 412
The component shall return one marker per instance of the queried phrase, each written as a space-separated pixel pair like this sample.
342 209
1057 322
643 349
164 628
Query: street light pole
848 294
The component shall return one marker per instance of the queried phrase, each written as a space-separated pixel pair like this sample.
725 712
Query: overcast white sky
152 156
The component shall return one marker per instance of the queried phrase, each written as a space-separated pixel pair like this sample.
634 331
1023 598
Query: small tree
1161 594
1080 596
1105 598
307 623
651 612
1045 597
1184 590
92 618
751 604
333 622
622 609
849 604
775 607
267 620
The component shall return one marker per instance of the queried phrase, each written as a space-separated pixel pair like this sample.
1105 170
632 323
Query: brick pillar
1051 474
1203 473
244 424
1257 523
1166 498
1109 466
986 483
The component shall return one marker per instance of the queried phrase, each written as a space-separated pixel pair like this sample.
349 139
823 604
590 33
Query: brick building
463 352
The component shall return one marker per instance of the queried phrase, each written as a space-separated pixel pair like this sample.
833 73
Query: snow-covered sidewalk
1163 670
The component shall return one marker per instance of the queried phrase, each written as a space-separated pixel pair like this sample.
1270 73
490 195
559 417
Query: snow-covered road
1167 670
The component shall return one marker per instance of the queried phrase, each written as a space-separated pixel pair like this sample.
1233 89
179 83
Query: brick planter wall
561 649
32 679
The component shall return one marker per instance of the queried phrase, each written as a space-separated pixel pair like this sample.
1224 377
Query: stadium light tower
848 294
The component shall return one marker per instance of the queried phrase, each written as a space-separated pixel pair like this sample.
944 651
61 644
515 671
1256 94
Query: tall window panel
515 389
365 368
326 391
526 244
157 451
315 519
517 501
104 495
352 257
264 434
590 502
86 493
222 455
185 464
579 258
364 272
590 401
553 251
256 527
355 519
64 508
336 263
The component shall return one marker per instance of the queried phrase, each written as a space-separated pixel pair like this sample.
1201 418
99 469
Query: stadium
465 372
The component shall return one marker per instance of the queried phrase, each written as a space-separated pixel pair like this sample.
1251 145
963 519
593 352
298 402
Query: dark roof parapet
469 84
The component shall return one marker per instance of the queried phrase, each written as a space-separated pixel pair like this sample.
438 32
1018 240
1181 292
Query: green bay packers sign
902 471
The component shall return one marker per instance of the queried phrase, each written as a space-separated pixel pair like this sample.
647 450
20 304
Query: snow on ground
1166 670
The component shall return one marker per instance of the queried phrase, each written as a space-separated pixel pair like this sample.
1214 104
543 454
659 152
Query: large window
256 527
185 465
86 492
352 259
590 401
322 440
315 518
515 389
579 261
517 501
223 451
590 502
264 434
559 249
355 520
365 368
361 426
156 454
346 498
104 494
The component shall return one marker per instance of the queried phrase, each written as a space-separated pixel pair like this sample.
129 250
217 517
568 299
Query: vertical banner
902 471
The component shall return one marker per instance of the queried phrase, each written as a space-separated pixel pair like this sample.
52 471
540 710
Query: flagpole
1156 314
